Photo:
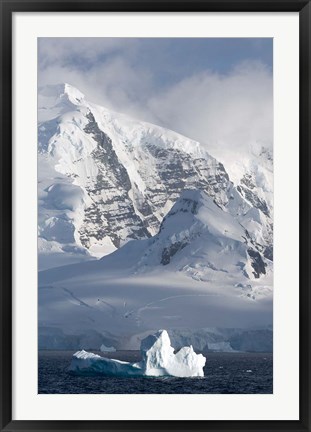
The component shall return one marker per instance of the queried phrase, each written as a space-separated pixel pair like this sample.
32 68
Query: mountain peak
192 194
188 202
197 237
73 93
55 99
60 90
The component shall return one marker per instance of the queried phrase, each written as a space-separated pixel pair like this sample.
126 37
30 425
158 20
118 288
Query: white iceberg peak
158 359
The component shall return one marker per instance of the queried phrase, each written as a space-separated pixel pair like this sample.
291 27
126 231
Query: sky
216 91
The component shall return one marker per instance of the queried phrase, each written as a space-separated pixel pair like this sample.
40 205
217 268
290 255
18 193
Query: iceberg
104 348
158 359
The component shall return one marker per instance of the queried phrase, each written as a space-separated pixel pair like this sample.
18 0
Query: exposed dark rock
257 263
175 171
170 251
247 189
268 253
109 217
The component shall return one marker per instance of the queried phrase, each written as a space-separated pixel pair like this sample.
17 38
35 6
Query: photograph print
155 215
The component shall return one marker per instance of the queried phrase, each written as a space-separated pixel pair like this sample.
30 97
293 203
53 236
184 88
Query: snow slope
199 238
200 271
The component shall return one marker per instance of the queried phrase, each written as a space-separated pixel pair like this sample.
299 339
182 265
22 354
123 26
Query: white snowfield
158 359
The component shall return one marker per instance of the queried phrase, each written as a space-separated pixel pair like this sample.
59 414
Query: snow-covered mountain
200 239
105 178
252 173
185 245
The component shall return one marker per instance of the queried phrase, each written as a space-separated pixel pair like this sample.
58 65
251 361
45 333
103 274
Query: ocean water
225 373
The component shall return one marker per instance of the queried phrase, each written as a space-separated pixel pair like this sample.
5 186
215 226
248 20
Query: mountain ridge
125 176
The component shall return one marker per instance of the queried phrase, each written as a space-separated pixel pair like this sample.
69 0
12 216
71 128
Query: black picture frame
7 10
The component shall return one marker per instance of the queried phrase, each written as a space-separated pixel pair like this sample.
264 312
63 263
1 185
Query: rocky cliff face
125 176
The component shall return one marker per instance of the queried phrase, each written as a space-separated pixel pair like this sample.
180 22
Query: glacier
158 359
204 339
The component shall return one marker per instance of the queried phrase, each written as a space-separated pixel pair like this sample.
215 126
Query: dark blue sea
225 373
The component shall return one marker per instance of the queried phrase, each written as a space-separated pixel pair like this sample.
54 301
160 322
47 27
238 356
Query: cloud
81 52
226 112
103 69
229 111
